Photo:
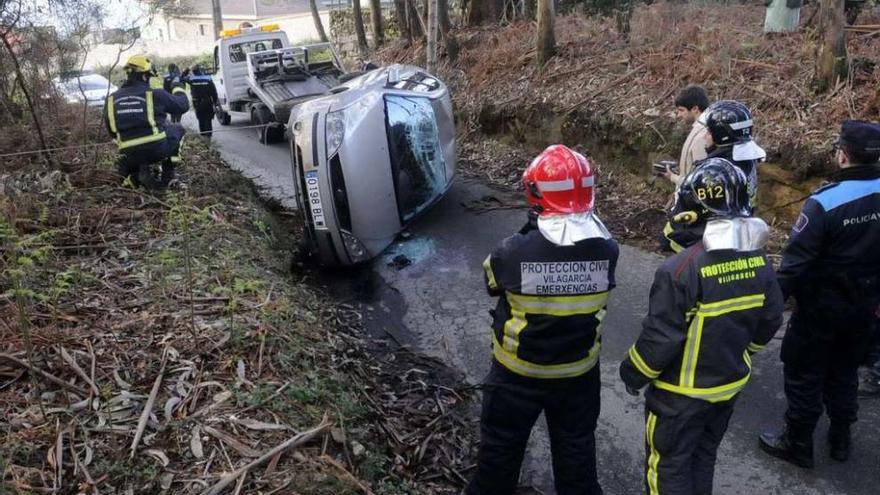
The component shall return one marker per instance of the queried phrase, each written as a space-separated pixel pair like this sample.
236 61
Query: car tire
261 116
224 118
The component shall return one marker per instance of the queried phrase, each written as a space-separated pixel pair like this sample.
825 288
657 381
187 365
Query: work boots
793 444
838 441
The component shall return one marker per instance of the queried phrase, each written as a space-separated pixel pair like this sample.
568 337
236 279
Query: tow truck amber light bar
228 33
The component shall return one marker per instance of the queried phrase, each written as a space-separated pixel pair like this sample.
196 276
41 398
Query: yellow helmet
138 63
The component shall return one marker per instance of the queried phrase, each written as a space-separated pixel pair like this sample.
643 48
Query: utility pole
218 18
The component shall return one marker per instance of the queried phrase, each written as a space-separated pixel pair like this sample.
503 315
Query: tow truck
259 73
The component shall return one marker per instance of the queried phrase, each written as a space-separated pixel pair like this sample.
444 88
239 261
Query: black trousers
205 116
822 350
681 444
511 405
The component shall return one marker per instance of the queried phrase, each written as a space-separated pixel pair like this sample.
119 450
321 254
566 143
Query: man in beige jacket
690 104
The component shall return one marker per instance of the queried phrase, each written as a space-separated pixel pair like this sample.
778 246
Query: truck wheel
261 116
224 118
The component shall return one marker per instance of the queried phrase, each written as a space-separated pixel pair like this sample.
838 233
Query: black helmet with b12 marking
716 188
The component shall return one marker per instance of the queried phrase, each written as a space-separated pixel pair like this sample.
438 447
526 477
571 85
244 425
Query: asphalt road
438 304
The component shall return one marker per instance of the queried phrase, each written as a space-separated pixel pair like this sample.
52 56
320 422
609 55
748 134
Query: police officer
831 266
135 117
204 97
552 280
730 128
711 307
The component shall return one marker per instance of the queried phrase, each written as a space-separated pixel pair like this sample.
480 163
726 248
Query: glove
632 391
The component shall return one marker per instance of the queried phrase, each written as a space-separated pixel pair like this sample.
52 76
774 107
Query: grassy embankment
155 343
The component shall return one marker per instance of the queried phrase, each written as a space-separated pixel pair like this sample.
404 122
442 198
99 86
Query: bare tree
546 41
359 27
402 20
831 62
376 20
319 25
431 55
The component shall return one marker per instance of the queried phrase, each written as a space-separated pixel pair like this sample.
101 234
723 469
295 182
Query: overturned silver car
369 158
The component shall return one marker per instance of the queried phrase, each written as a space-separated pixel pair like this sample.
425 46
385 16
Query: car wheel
224 118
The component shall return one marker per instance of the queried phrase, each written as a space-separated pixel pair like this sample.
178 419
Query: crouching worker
135 117
552 280
711 307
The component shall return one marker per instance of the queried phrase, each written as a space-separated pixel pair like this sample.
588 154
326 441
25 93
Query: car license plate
313 196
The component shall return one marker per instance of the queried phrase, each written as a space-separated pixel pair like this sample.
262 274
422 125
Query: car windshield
417 161
238 52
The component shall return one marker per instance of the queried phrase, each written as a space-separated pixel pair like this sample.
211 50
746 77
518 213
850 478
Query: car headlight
335 131
340 121
356 250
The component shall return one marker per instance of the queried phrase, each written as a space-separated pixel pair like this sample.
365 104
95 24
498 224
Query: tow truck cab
231 67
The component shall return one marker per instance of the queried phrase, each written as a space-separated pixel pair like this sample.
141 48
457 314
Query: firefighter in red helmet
552 280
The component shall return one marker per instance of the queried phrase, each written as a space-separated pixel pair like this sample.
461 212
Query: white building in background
192 32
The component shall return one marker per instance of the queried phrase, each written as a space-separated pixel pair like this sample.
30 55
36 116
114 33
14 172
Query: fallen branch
52 378
346 474
148 407
292 442
79 371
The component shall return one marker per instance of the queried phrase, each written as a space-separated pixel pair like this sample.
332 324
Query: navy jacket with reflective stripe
837 232
130 110
551 301
708 311
203 90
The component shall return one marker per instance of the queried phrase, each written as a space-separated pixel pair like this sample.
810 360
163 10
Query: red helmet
560 181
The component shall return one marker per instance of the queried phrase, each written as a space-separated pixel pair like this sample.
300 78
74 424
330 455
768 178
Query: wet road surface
438 304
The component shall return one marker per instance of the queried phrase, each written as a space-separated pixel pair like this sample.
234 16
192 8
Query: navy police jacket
135 114
836 239
203 90
711 306
551 302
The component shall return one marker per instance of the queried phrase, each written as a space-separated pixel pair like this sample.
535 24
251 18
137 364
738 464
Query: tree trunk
217 16
376 19
485 11
27 98
431 56
319 25
359 27
529 8
831 57
402 22
443 17
416 26
546 37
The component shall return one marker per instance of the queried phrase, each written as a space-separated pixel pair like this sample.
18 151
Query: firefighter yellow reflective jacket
551 302
711 307
135 115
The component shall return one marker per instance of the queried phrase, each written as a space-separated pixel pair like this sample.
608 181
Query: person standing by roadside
711 307
552 280
690 107
831 265
204 98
